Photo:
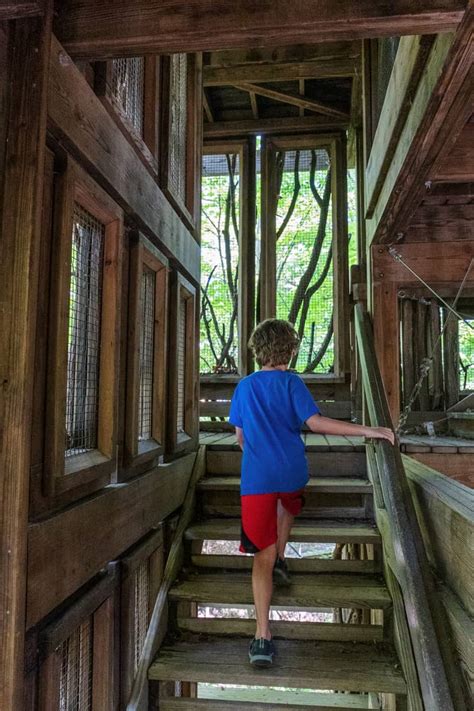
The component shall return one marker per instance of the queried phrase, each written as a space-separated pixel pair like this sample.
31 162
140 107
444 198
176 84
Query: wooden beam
19 277
456 163
10 10
222 129
95 141
254 105
207 106
280 71
292 99
301 91
92 30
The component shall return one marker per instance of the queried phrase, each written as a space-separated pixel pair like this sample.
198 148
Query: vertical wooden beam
247 253
268 233
19 243
341 266
451 360
386 338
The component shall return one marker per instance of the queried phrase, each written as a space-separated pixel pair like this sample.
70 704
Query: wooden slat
306 591
326 67
322 631
223 705
20 202
302 531
328 665
327 485
243 127
92 31
17 9
97 143
300 101
296 565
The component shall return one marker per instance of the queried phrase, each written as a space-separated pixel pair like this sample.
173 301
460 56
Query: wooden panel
459 467
66 550
21 201
11 10
283 71
457 163
92 31
96 142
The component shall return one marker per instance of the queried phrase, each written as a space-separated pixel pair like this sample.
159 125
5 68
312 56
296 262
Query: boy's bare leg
285 522
262 586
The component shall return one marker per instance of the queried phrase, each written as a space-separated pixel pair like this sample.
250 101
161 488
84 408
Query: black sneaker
261 652
281 573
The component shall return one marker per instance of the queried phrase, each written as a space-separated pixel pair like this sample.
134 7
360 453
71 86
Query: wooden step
221 705
306 590
306 665
303 531
321 631
320 463
327 485
296 565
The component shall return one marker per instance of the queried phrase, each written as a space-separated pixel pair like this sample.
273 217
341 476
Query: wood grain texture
80 121
92 31
18 9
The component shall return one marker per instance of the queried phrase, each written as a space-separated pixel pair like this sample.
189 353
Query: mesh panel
303 208
85 305
147 332
127 89
178 125
219 263
181 363
141 608
75 683
466 356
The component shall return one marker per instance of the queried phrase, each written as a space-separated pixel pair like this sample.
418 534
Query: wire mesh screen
466 355
178 125
181 357
85 306
141 608
127 90
302 207
147 343
75 682
220 222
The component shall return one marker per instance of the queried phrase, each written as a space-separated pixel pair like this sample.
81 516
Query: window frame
91 470
150 549
188 439
144 254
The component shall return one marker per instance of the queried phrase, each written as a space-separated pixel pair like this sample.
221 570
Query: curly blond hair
274 342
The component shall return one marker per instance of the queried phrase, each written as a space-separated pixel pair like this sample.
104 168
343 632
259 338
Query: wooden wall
91 531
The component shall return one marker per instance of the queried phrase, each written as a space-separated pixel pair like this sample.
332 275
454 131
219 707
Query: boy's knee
267 554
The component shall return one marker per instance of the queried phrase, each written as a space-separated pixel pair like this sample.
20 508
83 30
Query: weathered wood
456 162
66 549
322 463
22 182
103 150
178 704
223 129
138 697
451 359
330 485
284 97
296 565
90 31
329 665
326 67
462 632
15 10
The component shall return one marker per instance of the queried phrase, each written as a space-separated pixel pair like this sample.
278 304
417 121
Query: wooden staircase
319 664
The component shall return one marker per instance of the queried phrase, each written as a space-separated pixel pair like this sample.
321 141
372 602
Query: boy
268 409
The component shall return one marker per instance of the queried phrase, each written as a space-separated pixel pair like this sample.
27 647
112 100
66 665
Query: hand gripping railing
437 674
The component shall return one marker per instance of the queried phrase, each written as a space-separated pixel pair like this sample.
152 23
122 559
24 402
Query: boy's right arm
239 433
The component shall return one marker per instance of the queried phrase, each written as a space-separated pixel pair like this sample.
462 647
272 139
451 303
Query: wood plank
220 704
456 162
104 151
302 531
284 97
330 485
272 696
326 631
244 127
306 590
17 9
324 68
100 32
296 565
462 631
328 665
321 462
66 550
21 202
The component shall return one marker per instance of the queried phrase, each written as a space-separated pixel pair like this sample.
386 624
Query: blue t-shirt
271 406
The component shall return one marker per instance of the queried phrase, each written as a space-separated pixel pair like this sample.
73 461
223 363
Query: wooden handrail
438 676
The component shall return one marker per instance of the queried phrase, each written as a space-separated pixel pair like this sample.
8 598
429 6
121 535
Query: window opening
147 344
178 125
84 324
466 355
127 89
220 263
75 683
181 363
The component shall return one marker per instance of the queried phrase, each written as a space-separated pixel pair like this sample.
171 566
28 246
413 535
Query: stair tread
331 531
307 564
306 590
309 665
348 485
222 705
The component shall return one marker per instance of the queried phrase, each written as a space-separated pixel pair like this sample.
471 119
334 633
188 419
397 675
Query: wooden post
451 359
20 238
248 196
387 342
341 267
267 281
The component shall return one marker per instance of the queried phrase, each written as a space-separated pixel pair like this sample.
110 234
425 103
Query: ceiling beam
331 68
253 104
92 30
249 127
294 100
10 10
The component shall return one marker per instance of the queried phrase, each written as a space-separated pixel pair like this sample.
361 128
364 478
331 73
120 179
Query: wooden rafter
92 30
301 89
207 106
295 100
222 129
325 68
253 103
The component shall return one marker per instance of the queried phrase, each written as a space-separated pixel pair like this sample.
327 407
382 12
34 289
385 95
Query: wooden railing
421 631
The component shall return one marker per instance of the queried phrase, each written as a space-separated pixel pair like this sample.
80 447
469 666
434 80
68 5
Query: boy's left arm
239 433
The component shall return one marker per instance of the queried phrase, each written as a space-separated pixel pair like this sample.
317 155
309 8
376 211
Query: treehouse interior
171 174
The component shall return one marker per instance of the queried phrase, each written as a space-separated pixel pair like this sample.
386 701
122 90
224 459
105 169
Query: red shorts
260 518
